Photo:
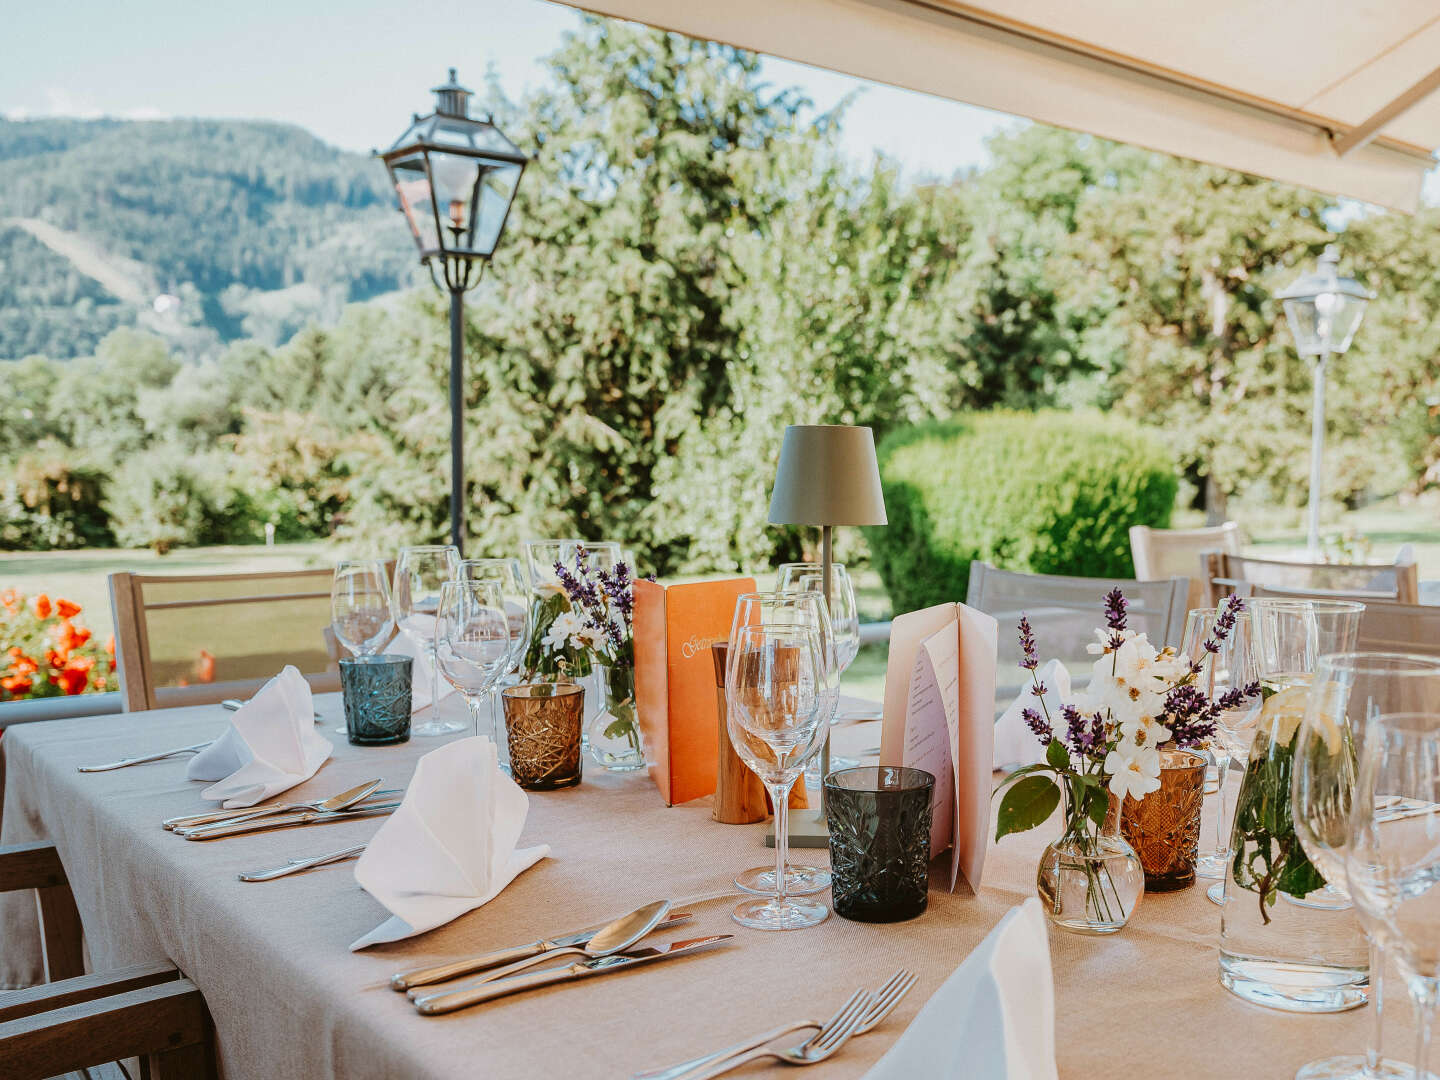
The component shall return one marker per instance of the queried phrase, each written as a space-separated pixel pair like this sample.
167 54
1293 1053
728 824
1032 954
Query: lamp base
808 829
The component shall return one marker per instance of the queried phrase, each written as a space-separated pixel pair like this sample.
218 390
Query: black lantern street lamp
456 177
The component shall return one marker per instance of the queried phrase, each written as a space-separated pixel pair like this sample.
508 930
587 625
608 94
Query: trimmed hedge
1045 492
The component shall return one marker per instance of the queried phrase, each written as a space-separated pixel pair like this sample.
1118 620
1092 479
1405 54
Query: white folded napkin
1015 743
993 1018
420 677
450 845
270 746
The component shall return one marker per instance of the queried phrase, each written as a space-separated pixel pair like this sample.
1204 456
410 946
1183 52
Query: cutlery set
598 950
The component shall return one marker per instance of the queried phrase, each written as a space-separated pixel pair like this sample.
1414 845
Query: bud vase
1164 826
613 734
1090 880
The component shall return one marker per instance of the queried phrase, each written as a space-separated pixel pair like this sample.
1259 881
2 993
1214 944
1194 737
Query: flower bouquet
600 622
1100 747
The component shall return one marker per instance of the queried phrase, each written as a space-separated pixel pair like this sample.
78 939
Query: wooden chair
77 1021
1386 625
200 638
1228 573
1163 553
1064 612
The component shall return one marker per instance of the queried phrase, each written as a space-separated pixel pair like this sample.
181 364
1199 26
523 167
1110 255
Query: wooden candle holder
740 797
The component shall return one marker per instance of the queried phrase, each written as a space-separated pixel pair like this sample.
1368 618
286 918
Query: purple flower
1039 689
1038 725
1027 645
1115 605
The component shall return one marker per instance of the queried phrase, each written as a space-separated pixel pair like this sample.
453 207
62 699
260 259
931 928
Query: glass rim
1387 662
913 780
375 658
1319 604
521 691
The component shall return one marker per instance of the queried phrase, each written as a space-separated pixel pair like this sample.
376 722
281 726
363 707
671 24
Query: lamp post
455 177
1324 311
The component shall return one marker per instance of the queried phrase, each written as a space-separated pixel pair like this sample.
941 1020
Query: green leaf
1097 805
1057 755
1018 774
1027 804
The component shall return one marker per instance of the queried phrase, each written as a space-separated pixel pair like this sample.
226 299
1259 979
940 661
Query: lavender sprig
1115 618
1030 661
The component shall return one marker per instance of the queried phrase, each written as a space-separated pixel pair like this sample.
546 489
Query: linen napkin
421 680
1015 743
450 845
993 1018
270 746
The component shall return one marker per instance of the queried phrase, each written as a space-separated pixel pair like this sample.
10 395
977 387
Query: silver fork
674 1072
820 1048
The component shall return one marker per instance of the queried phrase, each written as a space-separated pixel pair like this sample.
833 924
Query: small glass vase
1164 826
1090 883
613 734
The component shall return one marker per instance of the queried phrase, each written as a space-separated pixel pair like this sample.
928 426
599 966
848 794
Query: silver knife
427 976
124 762
294 866
281 821
191 821
438 1004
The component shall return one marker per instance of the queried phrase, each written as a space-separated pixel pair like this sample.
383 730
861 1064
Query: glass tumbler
879 819
376 691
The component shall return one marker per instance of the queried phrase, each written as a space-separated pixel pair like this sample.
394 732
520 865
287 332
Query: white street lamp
1324 311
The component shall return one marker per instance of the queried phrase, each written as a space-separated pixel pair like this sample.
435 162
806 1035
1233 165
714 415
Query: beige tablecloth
290 1001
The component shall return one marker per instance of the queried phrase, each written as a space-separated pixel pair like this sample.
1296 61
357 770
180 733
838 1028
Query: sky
353 72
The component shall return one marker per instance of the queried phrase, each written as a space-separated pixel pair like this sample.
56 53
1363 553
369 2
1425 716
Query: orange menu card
675 679
940 717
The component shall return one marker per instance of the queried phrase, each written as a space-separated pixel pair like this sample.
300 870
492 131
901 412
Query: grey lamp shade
827 475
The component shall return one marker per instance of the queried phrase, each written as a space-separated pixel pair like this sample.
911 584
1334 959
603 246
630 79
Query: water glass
414 600
879 821
543 723
376 693
774 687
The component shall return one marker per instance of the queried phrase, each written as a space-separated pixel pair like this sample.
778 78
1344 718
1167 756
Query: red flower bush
46 653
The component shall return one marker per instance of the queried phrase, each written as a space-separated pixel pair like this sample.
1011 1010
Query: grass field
80 576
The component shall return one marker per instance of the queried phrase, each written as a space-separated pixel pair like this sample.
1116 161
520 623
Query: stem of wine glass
1222 814
434 683
1375 1049
1424 1020
780 796
472 703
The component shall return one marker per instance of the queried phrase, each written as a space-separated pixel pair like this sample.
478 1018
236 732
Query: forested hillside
244 229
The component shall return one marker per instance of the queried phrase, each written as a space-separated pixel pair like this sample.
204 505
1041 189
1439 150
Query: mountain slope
219 214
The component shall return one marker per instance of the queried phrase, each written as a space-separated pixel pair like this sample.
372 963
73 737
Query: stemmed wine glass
1348 689
774 684
474 642
803 577
1233 666
360 614
415 599
1392 860
808 611
510 575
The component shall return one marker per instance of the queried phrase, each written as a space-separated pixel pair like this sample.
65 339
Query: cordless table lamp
827 476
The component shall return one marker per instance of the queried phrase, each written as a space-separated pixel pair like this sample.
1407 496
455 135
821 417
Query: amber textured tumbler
1164 826
542 725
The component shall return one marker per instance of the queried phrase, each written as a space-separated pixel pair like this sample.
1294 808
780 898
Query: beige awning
1336 95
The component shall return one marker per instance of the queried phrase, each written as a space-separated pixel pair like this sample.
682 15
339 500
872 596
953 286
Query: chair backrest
1163 553
1064 613
200 638
1386 625
1362 581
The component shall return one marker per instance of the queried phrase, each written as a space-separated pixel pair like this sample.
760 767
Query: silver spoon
342 801
616 937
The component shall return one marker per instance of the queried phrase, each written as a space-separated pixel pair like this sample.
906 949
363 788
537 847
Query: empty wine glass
1233 666
360 614
474 641
1392 862
774 684
510 575
806 610
843 615
1348 689
415 599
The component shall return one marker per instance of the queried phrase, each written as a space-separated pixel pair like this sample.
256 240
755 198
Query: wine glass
360 614
843 616
415 599
474 641
774 684
1232 666
1392 860
510 575
807 611
1348 688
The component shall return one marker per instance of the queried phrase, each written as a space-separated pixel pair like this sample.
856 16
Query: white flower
592 639
557 637
1134 770
1145 730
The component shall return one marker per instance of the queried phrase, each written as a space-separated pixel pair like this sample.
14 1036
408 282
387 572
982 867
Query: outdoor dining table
290 1000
